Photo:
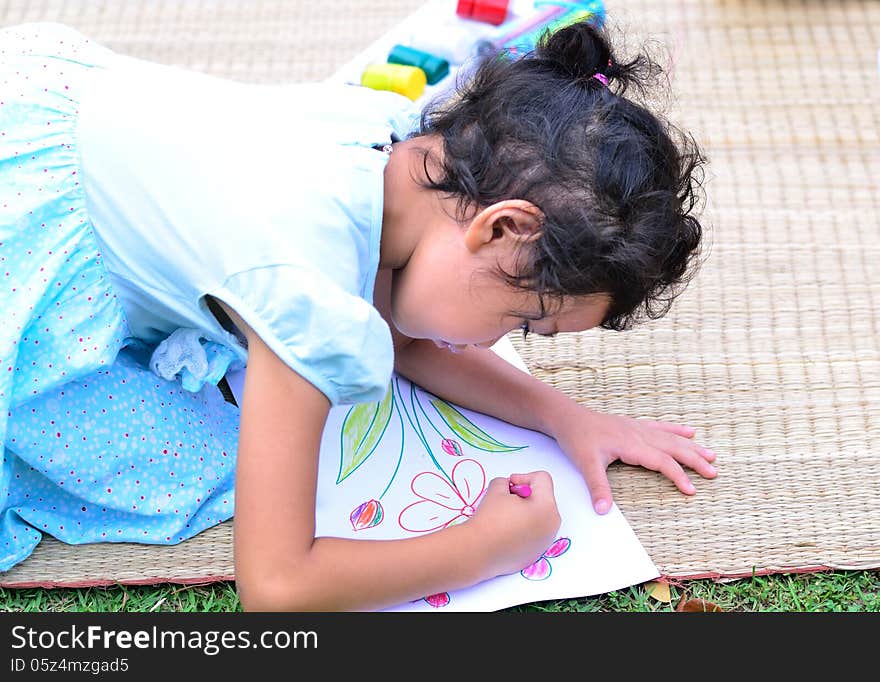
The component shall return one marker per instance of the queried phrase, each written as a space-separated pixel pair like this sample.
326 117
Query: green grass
817 592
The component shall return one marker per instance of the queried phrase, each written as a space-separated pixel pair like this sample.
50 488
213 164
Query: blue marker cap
435 68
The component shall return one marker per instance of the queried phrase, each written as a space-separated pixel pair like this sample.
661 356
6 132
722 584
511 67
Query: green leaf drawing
469 432
362 429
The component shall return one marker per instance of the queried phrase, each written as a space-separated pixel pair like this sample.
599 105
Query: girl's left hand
593 440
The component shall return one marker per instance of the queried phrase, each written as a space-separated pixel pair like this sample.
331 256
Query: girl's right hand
516 531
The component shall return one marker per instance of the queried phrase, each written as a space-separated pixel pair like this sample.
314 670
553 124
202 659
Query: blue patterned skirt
96 448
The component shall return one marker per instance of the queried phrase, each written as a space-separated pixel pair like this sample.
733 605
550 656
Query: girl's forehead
575 313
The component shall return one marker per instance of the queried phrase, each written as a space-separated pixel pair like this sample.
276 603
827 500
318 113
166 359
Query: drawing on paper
438 600
541 569
366 424
439 497
444 503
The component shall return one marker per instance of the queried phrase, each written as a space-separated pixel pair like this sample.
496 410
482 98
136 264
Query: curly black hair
617 184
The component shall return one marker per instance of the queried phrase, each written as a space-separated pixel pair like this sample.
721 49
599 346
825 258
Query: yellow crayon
401 78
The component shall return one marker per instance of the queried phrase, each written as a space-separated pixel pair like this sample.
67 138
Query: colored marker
529 24
435 68
523 36
400 78
491 11
521 489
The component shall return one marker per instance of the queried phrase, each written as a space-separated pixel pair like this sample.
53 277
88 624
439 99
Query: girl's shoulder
314 324
355 113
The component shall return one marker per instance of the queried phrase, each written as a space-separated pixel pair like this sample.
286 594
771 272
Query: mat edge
670 578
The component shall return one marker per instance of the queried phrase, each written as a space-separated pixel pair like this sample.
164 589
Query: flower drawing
451 447
442 504
367 515
438 600
541 569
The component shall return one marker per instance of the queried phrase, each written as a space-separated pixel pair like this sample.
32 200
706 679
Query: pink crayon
521 489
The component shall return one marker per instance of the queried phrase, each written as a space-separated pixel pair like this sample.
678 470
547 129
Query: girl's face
455 297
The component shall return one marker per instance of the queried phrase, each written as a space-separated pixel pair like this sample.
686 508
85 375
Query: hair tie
601 77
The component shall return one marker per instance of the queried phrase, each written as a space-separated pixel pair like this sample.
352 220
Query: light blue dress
131 191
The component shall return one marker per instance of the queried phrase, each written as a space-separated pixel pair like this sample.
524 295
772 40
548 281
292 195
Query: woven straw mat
771 352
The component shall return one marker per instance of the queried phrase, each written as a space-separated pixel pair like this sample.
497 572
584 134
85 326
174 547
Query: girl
159 227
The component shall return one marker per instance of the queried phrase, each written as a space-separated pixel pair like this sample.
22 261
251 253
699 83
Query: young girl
159 227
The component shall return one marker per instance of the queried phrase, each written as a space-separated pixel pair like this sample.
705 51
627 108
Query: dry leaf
697 606
659 591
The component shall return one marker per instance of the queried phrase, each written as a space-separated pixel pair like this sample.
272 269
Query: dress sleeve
403 115
335 340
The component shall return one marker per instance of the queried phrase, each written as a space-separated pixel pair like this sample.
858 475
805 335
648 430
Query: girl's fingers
536 480
597 483
520 479
691 455
667 465
677 429
687 432
701 466
706 454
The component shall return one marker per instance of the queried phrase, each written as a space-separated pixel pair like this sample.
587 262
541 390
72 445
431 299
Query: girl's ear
514 220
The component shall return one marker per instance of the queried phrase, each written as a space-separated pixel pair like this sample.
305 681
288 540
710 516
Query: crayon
521 489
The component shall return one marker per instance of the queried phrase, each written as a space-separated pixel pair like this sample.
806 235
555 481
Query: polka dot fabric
121 455
96 447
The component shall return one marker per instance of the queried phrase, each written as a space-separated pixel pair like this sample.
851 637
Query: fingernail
602 506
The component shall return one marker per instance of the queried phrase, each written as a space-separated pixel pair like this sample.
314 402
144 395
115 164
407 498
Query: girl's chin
448 346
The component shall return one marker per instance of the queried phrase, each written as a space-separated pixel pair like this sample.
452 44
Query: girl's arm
480 380
281 565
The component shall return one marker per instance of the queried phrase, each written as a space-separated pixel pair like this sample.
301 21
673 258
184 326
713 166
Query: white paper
601 554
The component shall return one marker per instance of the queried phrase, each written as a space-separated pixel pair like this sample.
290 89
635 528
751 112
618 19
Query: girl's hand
514 530
593 440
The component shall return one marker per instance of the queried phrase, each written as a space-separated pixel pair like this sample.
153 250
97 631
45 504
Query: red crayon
521 489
